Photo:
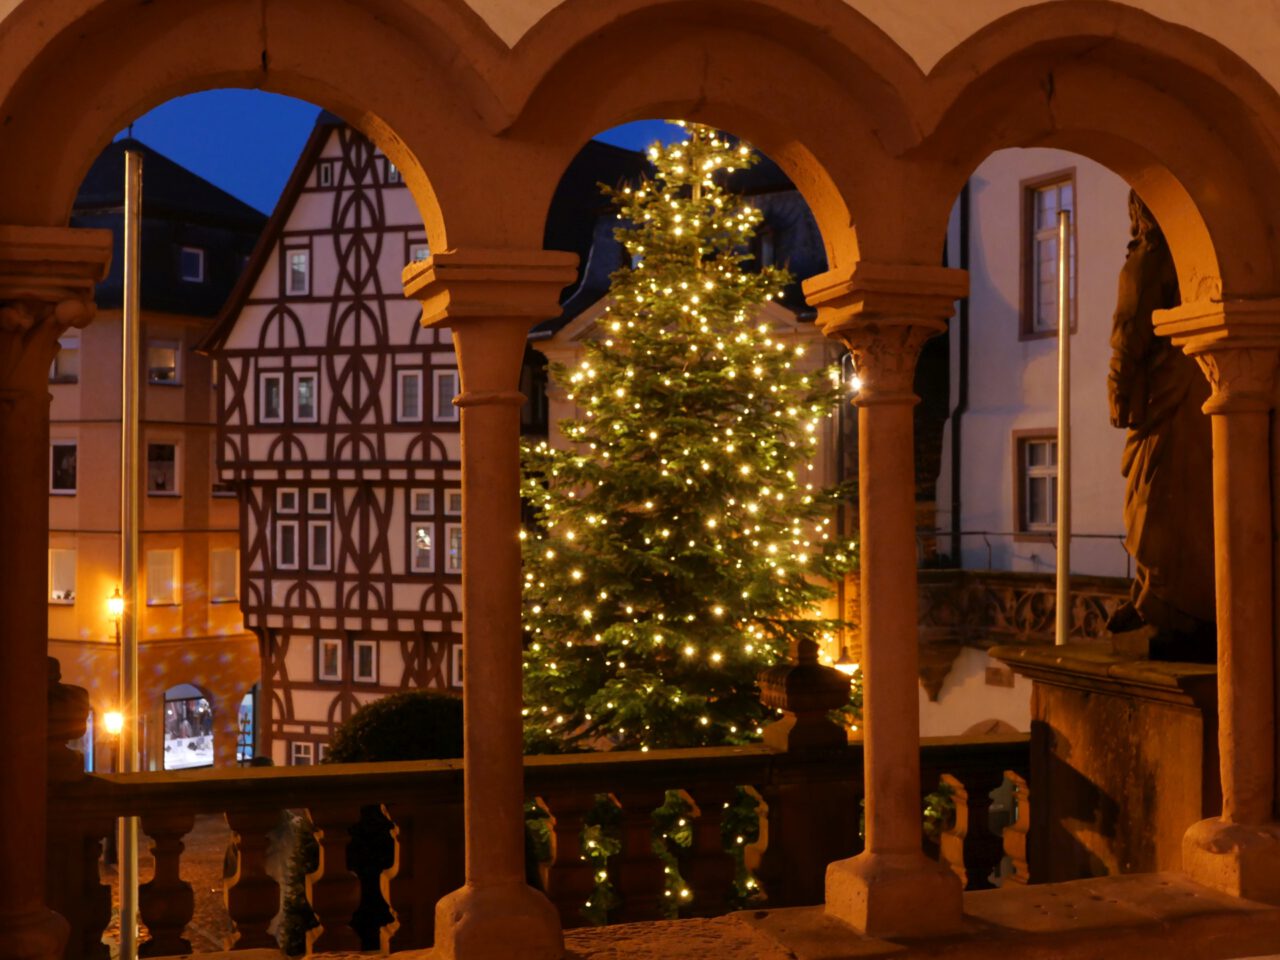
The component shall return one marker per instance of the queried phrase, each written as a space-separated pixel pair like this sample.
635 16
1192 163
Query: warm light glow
113 720
115 605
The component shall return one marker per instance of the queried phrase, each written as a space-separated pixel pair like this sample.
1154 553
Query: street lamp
113 721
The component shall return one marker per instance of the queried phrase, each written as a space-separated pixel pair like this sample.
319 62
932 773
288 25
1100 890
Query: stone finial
68 720
806 691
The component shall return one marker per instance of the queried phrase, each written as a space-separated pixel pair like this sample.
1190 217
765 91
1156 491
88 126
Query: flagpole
129 508
1063 595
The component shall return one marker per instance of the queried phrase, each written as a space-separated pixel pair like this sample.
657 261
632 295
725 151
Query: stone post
1237 344
490 299
884 314
46 285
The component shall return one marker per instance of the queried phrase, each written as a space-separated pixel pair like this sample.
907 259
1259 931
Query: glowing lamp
115 605
845 664
113 720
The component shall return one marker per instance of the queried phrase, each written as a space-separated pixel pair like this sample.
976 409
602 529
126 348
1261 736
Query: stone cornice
490 283
52 264
1236 343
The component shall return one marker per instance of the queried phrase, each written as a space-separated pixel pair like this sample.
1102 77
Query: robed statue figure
1156 392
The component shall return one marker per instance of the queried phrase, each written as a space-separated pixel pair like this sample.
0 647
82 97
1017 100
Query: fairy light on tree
680 542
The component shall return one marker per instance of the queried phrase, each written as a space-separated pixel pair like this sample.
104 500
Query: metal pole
1063 598
129 506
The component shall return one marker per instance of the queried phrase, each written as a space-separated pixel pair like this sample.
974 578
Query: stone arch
1179 117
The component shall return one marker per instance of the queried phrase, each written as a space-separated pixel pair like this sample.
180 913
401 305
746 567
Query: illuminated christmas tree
680 544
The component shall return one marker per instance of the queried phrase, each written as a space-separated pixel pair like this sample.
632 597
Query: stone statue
1156 392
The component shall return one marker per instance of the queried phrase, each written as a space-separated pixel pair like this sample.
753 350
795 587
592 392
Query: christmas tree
679 545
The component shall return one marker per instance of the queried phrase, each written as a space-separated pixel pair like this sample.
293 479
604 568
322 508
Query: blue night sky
247 141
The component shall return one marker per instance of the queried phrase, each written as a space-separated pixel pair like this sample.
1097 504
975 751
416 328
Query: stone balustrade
809 812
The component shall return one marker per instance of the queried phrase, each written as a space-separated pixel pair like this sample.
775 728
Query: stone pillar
491 299
1237 344
46 285
884 314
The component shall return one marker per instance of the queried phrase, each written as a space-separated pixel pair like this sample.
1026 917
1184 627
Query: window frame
177 468
356 676
289 254
321 674
296 748
175 578
55 490
235 575
312 527
430 566
183 250
449 567
278 539
455 665
451 412
71 336
401 376
62 601
449 494
312 494
298 377
1023 530
429 510
282 495
1028 278
163 344
324 174
260 396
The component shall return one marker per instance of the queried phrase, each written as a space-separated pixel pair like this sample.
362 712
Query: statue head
1142 224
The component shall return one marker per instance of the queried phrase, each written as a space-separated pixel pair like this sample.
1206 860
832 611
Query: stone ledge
1094 667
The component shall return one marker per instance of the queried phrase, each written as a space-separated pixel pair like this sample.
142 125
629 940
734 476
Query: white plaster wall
965 699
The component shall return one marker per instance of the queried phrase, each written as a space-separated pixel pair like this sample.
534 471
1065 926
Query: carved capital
884 313
458 285
1237 345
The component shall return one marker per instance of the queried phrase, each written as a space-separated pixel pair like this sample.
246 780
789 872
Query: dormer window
191 264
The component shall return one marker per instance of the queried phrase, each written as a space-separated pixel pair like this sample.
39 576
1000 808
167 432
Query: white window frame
427 509
401 377
319 501
414 565
322 751
287 500
321 645
234 595
1047 471
160 344
173 597
453 502
199 252
452 561
301 750
393 172
177 468
64 599
304 289
455 665
324 173
1047 234
53 461
314 527
264 376
314 377
280 562
356 647
444 412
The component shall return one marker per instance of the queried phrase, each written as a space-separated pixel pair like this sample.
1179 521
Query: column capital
1237 345
884 313
487 283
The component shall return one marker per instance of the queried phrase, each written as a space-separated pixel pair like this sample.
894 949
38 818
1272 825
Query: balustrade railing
808 807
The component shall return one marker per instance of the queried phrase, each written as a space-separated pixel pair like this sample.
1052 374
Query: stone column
46 285
884 314
491 299
1237 344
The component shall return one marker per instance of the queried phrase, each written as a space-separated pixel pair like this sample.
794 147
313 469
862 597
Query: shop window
320 533
62 467
1037 494
409 395
329 653
162 578
445 388
191 264
162 362
188 728
298 279
453 548
364 667
421 548
301 754
305 409
162 469
62 576
1043 201
270 397
224 575
66 363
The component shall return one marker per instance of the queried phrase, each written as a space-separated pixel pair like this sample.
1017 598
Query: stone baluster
571 876
429 863
490 299
637 873
884 314
253 897
1016 834
333 890
709 868
951 838
46 285
166 902
981 850
1237 344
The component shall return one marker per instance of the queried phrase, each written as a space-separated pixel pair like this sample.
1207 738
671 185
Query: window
318 501
419 252
364 668
191 264
220 489
298 266
162 469
1037 483
422 503
66 364
455 666
325 174
162 578
453 503
322 751
162 362
320 535
409 395
270 397
1043 202
287 500
304 398
62 576
421 548
329 651
224 575
453 548
301 754
393 173
62 467
445 383
287 544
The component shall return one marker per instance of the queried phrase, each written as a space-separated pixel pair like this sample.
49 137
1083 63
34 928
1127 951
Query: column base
33 936
1241 860
887 895
495 923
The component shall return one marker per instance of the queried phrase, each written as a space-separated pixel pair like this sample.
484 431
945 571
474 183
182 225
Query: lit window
1042 255
301 754
191 264
270 397
421 548
455 671
162 469
422 502
318 501
224 575
445 383
329 653
320 534
162 578
409 395
162 362
1038 481
453 503
325 171
364 668
62 576
287 544
66 364
298 282
62 467
453 548
304 398
418 252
